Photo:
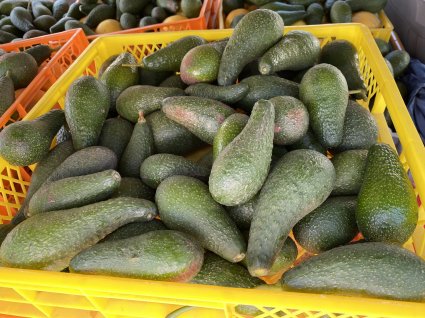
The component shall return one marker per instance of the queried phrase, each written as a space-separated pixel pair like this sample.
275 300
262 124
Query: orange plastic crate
72 43
208 19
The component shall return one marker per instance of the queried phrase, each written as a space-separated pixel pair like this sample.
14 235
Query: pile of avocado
311 11
24 19
18 69
282 148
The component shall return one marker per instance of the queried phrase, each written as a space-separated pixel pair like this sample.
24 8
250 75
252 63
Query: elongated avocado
8 93
74 192
135 188
387 210
241 168
201 116
159 255
229 130
300 174
135 229
22 68
376 270
226 94
186 205
115 135
159 167
252 37
242 214
50 240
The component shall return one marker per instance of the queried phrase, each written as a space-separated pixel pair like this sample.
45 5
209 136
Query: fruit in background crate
60 8
128 21
100 13
170 57
399 61
158 255
367 18
74 192
33 34
159 14
131 6
296 51
87 103
73 24
233 14
26 142
373 6
201 116
341 12
186 205
324 92
108 26
248 42
240 170
291 120
171 6
290 17
40 53
200 65
7 92
384 47
230 5
174 18
148 20
22 68
280 6
387 210
44 22
315 14
21 19
390 66
56 237
191 8
281 204
219 272
375 270
330 225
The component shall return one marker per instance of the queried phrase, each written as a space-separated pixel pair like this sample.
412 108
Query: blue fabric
415 82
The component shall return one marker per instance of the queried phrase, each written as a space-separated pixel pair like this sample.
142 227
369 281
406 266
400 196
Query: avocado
285 258
11 29
7 6
160 14
328 5
60 25
186 205
26 142
390 67
242 214
282 203
226 94
305 3
135 188
50 240
387 210
40 53
44 22
349 167
290 17
135 229
21 19
280 6
229 130
152 78
98 14
140 147
341 12
74 192
266 87
170 137
115 135
7 92
85 161
128 21
360 128
133 7
291 120
159 255
373 6
217 271
42 171
171 6
118 77
236 20
87 102
38 9
87 8
240 170
201 116
159 167
6 37
191 8
147 20
173 81
200 65
4 230
230 5
170 57
376 270
343 55
384 47
296 51
330 225
324 92
22 68
33 34
60 8
74 24
315 14
143 98
252 37
399 61
74 12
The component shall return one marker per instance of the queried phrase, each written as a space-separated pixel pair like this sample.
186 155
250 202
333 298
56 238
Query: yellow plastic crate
28 293
384 32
